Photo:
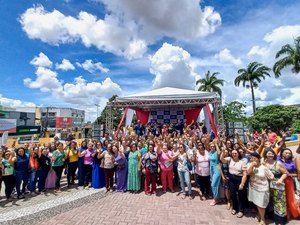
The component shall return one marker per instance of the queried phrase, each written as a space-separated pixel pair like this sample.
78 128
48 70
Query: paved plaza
137 209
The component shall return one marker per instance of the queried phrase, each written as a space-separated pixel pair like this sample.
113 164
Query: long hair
238 152
286 149
269 149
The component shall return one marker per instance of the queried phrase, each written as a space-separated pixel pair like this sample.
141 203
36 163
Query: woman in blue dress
121 169
215 176
98 179
80 163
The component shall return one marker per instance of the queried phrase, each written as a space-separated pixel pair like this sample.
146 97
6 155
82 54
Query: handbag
189 165
153 168
102 163
67 160
121 166
277 186
51 179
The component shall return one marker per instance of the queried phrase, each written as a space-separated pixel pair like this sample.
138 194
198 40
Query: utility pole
46 124
97 105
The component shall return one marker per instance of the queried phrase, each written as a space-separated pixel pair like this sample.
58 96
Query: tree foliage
210 83
116 114
274 117
291 58
234 112
296 127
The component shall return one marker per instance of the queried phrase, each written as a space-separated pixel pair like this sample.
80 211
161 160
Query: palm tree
292 58
253 74
210 83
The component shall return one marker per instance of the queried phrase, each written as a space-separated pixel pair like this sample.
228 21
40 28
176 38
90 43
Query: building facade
62 118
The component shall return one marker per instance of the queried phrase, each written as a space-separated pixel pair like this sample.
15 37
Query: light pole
97 105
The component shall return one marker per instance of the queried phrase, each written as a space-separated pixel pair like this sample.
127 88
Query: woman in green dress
134 160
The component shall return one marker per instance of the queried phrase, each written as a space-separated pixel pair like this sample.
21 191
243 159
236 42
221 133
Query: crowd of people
259 173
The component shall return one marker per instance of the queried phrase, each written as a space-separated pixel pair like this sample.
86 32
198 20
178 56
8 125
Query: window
52 114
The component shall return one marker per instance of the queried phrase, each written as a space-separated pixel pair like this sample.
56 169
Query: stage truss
147 105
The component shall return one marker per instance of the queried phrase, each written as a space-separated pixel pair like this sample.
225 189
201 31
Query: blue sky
121 47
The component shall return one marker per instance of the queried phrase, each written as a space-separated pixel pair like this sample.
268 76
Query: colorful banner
63 122
9 125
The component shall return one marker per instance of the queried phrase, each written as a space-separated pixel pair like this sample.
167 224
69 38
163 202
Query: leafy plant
210 83
274 117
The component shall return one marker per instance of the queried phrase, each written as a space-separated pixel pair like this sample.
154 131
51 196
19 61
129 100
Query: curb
41 214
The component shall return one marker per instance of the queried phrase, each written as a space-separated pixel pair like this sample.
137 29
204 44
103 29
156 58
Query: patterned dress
277 203
134 183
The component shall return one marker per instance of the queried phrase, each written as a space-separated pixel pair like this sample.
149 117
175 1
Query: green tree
251 76
274 117
296 127
116 114
234 112
291 58
210 83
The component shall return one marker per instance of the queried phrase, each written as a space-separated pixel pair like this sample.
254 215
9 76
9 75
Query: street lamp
97 105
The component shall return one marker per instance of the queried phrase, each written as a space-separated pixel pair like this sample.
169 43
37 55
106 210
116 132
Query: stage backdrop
166 116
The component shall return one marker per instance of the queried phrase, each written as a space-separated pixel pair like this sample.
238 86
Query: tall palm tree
292 58
253 74
210 83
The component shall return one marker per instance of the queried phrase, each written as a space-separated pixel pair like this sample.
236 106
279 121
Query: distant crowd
258 173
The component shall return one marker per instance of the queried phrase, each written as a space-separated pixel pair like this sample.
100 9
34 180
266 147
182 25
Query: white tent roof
168 93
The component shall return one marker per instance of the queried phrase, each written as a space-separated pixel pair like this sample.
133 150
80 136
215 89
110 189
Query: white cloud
283 89
46 80
80 92
14 103
179 19
41 60
106 34
92 67
225 56
65 65
274 40
172 67
127 27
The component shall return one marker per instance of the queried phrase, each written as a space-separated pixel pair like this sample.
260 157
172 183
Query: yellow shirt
131 131
72 154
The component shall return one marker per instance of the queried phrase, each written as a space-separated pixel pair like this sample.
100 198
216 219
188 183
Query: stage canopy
169 99
167 93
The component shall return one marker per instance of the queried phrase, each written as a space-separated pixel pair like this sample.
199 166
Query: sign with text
64 122
25 130
8 125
